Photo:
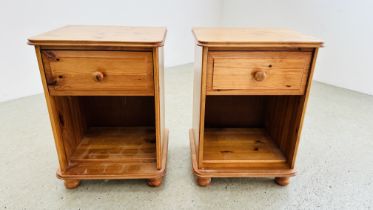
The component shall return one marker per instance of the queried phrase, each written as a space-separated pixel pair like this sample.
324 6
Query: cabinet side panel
202 107
52 114
197 94
70 122
159 102
300 111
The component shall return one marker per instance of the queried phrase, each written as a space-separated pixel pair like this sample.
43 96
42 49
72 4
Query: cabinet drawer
98 72
257 72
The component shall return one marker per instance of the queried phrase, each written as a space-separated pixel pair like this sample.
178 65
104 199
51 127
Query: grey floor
335 161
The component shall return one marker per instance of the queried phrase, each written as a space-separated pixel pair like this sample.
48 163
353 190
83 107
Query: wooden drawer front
98 72
260 72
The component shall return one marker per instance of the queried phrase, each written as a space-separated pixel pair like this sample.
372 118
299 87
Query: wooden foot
283 181
203 182
71 183
155 182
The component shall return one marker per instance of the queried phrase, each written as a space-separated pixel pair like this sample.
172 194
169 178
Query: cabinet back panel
234 111
122 111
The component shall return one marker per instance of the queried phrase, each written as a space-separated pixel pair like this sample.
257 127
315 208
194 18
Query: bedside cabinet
250 93
105 95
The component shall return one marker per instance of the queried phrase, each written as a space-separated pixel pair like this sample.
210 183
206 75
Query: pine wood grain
78 71
253 37
301 111
53 115
235 71
116 144
77 35
245 145
202 105
197 68
159 101
118 111
234 111
71 123
218 172
116 170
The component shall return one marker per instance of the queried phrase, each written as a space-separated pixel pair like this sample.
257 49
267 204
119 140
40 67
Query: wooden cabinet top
253 37
102 36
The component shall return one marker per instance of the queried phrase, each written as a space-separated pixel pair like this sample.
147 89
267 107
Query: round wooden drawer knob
98 76
260 75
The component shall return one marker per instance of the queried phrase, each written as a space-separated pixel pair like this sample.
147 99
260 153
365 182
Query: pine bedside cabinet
105 95
250 93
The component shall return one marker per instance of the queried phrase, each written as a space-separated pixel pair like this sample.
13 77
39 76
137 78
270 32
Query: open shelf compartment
107 135
253 132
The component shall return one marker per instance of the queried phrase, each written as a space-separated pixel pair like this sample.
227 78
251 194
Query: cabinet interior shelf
246 145
116 144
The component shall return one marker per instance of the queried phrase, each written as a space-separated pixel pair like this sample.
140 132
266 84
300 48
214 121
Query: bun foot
155 182
71 183
282 181
203 182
